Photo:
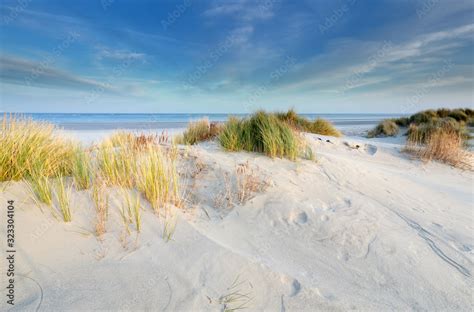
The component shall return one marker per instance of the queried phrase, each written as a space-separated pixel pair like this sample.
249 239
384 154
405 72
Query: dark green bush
459 115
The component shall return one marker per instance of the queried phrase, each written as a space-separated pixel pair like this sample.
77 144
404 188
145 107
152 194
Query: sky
236 56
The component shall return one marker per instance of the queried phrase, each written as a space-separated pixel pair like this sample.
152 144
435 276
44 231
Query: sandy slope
362 229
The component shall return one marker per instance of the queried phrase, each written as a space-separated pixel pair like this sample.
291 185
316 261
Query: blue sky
236 55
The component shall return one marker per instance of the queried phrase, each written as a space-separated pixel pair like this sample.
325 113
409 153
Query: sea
89 121
91 127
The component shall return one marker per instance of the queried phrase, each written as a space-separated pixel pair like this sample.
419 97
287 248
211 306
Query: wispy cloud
243 9
374 63
119 55
19 71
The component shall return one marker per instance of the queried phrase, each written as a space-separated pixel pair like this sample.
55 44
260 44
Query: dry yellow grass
101 201
444 144
198 131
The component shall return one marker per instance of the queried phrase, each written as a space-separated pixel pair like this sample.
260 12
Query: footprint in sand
299 217
292 284
371 149
295 288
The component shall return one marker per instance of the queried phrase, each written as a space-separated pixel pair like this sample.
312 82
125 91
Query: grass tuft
131 210
198 131
42 188
443 143
157 177
116 161
82 170
261 132
32 148
386 127
318 126
101 201
324 127
421 133
63 195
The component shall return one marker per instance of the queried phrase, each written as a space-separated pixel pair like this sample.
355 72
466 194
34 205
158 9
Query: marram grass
261 132
300 123
82 170
63 196
157 177
198 131
386 127
117 163
42 188
130 210
37 153
32 148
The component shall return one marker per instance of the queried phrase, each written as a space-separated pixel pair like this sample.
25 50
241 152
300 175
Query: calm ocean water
175 121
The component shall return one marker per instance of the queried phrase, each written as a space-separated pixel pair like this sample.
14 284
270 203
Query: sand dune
361 228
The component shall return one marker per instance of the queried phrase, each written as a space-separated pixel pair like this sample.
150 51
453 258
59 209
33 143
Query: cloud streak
19 71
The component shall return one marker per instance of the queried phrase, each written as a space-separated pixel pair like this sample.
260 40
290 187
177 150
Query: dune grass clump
421 133
231 135
324 127
442 143
157 178
293 119
460 115
384 128
199 131
318 126
28 146
136 142
261 132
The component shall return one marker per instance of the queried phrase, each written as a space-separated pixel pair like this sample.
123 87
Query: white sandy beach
364 229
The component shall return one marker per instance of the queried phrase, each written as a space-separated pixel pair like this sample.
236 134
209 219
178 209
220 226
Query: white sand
360 229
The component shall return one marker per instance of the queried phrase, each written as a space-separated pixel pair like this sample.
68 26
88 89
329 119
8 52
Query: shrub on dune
385 128
458 115
402 121
423 117
461 115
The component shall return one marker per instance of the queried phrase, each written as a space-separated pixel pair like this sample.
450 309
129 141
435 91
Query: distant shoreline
104 121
